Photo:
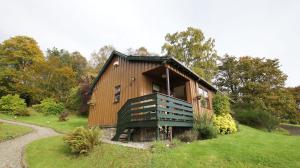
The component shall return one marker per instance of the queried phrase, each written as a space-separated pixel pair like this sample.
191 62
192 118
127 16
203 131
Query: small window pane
117 93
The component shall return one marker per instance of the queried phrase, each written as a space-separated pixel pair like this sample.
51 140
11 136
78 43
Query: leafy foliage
20 57
49 107
191 48
203 124
13 105
256 80
225 124
256 116
221 104
74 99
100 57
82 140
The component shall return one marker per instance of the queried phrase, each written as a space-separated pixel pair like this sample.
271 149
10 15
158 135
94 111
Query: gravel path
11 150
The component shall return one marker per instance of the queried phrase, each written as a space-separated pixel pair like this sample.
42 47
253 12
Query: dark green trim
153 110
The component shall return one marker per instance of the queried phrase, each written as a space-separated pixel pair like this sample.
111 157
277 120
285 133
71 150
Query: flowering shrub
225 124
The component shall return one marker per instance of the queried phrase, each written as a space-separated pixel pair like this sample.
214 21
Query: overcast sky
261 28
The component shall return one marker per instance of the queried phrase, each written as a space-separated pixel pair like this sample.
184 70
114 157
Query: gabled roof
159 59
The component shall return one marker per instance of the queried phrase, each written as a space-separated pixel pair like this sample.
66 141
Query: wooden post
169 94
168 81
157 133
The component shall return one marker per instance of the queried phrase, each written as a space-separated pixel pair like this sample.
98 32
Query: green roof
159 59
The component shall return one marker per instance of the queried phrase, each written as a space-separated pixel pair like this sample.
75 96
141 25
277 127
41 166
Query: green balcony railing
154 110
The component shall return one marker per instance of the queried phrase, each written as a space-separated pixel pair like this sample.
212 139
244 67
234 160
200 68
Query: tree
142 51
256 81
20 59
193 50
99 58
227 77
79 65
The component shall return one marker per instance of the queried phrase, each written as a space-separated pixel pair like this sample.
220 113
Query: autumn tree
193 50
20 59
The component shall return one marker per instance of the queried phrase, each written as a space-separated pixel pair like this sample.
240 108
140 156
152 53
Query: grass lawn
247 148
50 121
8 131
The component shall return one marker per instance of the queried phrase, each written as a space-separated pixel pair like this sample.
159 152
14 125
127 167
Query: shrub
82 140
221 104
49 107
225 124
204 126
13 105
255 116
188 136
63 116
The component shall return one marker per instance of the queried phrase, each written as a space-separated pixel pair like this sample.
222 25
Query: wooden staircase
154 110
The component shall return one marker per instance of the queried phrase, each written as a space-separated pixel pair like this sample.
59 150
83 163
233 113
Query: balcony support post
169 94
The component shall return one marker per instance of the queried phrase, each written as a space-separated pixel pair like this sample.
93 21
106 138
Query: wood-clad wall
104 111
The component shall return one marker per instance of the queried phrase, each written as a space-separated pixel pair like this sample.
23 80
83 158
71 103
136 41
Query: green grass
247 148
50 121
8 131
52 152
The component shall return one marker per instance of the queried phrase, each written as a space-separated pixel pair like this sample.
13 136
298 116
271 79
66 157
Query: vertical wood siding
104 111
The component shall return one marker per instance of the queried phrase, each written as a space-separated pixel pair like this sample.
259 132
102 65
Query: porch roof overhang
159 73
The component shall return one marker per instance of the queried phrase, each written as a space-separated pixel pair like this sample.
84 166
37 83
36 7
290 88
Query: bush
225 124
188 136
255 116
82 140
221 104
13 105
63 116
49 107
204 126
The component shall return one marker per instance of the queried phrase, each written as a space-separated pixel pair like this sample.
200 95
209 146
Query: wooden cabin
142 94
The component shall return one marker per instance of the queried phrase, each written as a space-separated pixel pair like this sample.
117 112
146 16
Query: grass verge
247 148
9 131
50 121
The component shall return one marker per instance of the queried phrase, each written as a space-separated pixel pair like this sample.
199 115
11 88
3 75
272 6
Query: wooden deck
154 110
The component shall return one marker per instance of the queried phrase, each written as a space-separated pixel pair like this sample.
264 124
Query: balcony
154 110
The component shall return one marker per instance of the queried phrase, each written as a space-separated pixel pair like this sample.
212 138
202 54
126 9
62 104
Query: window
203 97
117 94
155 88
202 92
